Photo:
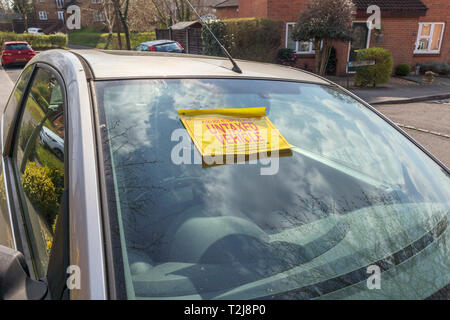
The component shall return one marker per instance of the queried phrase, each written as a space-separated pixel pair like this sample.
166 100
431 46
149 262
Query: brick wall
227 13
50 7
253 8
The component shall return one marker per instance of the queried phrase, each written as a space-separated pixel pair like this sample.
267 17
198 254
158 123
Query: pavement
7 82
400 90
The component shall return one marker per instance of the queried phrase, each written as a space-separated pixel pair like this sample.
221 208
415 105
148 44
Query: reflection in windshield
354 193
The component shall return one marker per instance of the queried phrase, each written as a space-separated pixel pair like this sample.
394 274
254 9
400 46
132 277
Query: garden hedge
256 39
378 73
37 41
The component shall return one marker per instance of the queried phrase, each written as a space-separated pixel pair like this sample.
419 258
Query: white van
35 31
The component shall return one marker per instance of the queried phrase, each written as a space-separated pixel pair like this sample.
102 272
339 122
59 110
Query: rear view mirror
15 281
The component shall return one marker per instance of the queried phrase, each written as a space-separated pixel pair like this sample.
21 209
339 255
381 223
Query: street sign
353 64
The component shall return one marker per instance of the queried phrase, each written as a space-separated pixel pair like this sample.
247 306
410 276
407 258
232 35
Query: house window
99 16
42 15
97 1
300 47
59 4
429 37
61 15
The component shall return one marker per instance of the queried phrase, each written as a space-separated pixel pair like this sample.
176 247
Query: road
425 116
427 122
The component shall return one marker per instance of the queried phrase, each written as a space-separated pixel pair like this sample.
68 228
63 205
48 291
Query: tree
324 21
122 8
24 8
109 13
169 12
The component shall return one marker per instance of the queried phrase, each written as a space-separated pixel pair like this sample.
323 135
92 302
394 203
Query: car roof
120 64
15 42
156 42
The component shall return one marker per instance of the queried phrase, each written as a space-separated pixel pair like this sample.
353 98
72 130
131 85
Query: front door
359 41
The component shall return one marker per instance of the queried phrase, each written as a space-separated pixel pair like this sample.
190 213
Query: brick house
48 13
413 30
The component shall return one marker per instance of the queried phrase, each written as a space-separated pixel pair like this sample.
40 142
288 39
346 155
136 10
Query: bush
440 67
210 45
256 39
39 188
378 73
402 70
37 41
286 56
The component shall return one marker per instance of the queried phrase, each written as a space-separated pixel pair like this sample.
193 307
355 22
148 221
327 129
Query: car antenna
235 66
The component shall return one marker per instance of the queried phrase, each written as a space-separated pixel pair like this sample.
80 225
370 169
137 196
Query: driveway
427 122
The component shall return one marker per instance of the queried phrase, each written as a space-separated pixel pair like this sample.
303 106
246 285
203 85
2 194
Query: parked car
160 46
16 53
133 210
35 30
52 141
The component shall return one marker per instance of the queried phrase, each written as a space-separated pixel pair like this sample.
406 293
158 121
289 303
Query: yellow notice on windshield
244 131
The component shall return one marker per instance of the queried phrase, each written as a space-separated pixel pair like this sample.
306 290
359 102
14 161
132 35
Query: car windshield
17 46
352 198
168 47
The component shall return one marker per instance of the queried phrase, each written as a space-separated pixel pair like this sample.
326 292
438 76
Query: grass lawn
85 37
96 39
47 159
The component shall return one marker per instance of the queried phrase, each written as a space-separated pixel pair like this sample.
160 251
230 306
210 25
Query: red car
16 52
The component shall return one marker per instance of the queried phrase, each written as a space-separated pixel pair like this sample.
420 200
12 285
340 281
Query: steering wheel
175 188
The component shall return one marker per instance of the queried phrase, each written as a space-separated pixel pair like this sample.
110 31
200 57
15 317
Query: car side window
39 162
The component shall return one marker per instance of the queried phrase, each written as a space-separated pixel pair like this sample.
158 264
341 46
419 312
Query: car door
37 178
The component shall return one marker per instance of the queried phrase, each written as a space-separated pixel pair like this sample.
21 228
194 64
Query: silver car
354 209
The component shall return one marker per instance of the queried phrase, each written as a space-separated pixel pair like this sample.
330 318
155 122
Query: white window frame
61 15
430 38
43 15
310 51
96 1
59 4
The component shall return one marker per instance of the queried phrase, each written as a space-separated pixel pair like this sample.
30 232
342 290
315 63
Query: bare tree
24 8
122 8
169 12
109 14
142 16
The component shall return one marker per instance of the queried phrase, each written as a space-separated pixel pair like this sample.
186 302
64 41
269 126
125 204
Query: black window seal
115 273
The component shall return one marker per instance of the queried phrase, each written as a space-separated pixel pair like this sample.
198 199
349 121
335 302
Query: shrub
39 187
37 41
402 70
256 39
286 56
210 45
440 67
44 187
378 73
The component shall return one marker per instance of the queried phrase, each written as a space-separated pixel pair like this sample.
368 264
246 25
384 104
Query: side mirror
15 281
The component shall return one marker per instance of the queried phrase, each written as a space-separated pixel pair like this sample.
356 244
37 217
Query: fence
189 38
